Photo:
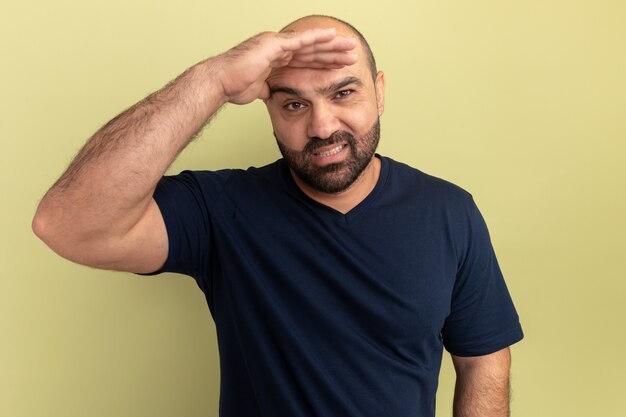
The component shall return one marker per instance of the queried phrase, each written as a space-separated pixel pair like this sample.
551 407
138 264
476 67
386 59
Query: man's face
326 122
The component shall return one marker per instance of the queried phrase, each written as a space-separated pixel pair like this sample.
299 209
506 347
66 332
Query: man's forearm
482 385
109 183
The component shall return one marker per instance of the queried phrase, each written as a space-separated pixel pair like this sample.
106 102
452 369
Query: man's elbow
55 230
45 226
42 225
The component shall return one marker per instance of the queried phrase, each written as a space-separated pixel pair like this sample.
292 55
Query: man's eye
343 93
293 106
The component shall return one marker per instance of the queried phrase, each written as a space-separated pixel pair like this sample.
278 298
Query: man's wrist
208 77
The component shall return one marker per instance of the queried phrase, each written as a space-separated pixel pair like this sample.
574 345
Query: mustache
339 136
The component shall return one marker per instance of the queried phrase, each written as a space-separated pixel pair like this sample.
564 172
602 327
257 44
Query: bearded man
335 276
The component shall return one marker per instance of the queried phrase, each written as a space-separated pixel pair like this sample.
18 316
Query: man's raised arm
101 212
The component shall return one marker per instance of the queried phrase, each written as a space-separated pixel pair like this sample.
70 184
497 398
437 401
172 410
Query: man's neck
348 199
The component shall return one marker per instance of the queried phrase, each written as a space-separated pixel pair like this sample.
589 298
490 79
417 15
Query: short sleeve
185 201
482 317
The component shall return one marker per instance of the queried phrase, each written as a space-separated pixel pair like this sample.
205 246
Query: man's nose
322 122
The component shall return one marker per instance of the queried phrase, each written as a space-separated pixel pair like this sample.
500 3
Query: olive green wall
521 103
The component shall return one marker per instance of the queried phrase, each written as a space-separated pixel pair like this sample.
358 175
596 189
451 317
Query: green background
521 103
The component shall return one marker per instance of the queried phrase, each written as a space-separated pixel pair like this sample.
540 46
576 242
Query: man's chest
384 276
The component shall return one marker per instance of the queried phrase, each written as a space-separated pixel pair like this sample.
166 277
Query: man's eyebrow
286 90
340 84
324 90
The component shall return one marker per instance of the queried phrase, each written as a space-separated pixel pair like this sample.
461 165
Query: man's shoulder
229 175
223 187
404 178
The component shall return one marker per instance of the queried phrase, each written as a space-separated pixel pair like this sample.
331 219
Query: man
335 276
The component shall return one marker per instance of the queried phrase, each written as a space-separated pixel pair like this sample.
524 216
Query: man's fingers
295 40
338 44
319 48
323 59
316 40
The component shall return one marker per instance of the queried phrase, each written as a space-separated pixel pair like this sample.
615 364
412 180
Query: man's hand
244 69
482 385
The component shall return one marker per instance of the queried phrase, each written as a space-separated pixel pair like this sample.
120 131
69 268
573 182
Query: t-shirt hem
504 340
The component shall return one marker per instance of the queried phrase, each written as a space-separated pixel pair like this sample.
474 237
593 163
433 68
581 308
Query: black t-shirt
324 314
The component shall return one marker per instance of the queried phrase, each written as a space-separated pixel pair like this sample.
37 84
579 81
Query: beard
337 177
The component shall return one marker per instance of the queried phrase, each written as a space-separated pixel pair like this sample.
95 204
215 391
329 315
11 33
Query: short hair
371 61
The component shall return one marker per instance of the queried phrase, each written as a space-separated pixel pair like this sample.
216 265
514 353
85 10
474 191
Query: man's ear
380 92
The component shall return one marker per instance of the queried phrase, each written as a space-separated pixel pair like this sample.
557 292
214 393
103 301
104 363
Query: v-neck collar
327 211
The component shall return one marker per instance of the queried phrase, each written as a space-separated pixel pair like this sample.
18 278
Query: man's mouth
331 151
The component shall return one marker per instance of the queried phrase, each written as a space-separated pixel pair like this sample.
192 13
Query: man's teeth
331 152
